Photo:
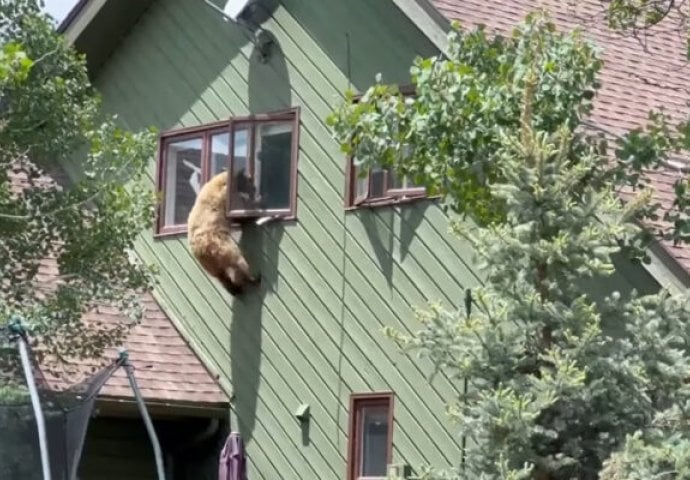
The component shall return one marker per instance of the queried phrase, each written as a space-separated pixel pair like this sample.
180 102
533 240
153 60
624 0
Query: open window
263 165
370 442
378 185
260 152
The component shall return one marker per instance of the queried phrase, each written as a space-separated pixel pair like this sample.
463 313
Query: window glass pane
374 433
361 182
378 183
396 182
273 167
243 191
409 183
220 149
182 179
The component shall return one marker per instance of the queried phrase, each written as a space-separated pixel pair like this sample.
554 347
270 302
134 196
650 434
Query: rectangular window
377 185
264 165
371 435
259 151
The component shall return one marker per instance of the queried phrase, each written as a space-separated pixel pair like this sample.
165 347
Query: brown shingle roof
640 73
166 368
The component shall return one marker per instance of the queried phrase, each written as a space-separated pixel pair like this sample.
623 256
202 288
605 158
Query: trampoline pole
147 421
36 403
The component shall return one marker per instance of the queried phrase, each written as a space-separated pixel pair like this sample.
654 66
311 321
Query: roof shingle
166 368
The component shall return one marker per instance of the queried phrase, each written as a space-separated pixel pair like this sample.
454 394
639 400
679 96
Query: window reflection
273 164
182 179
374 452
220 150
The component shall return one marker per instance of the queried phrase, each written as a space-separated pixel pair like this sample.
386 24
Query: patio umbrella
233 463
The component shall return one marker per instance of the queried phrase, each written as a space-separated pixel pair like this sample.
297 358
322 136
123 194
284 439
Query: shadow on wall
372 49
183 59
380 234
268 90
379 224
410 218
260 247
269 80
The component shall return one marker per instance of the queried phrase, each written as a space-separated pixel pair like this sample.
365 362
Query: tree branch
25 218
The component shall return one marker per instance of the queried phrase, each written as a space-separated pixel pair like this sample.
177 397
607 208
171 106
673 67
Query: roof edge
203 358
79 18
666 270
109 406
428 20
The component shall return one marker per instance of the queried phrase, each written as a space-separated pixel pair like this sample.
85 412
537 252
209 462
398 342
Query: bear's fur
210 240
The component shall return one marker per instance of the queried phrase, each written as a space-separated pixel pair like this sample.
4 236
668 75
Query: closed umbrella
233 462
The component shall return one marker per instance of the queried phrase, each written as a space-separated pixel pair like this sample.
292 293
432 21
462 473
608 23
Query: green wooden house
316 390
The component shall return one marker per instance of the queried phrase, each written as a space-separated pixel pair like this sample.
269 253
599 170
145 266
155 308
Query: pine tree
561 384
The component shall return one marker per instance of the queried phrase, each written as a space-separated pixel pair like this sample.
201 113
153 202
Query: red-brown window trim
205 132
396 196
289 115
357 402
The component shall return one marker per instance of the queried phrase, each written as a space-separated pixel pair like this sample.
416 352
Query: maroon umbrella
233 463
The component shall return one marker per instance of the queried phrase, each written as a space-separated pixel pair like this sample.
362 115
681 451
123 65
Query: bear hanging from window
210 241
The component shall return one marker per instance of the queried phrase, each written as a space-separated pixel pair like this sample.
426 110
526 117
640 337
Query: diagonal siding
332 280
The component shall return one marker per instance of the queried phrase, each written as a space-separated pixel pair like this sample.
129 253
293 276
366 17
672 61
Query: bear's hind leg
231 287
243 268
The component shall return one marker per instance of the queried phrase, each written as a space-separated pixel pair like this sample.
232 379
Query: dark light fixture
248 15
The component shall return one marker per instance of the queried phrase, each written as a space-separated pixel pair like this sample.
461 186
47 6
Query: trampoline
42 431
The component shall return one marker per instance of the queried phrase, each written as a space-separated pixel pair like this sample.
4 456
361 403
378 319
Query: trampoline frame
19 333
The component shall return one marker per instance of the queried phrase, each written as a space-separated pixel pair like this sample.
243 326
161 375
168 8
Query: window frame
359 401
206 133
392 196
288 115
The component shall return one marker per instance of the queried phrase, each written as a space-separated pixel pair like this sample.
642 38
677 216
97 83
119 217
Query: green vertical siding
332 279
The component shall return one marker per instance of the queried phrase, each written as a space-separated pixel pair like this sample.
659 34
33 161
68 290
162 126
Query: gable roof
168 372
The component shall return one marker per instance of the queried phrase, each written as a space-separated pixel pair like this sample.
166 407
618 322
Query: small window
263 165
371 435
379 186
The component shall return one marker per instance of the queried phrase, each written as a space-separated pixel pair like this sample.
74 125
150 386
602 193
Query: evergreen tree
560 384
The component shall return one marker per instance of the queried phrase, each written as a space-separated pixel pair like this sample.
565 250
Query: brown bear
210 241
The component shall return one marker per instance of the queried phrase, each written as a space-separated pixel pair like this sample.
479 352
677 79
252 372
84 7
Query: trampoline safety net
67 414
